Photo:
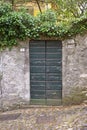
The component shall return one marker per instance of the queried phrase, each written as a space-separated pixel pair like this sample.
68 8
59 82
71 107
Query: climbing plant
20 25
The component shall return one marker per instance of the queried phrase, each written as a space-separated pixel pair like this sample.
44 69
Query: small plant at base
76 97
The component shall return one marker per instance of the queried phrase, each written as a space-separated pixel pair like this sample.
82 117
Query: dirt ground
45 118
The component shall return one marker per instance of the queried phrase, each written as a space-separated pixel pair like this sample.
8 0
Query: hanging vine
15 26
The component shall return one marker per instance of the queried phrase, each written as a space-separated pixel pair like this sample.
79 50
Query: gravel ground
45 118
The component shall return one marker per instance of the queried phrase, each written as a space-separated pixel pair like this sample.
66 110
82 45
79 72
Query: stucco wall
74 63
14 76
15 71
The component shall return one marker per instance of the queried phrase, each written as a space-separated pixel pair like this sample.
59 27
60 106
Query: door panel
38 76
53 69
53 94
38 94
53 56
54 84
37 50
53 76
53 50
53 44
37 69
37 56
53 62
37 43
55 87
37 85
39 62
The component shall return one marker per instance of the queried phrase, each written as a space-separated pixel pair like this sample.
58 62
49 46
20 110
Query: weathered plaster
15 83
74 63
1 72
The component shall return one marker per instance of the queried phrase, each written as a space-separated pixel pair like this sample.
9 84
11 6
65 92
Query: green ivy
15 26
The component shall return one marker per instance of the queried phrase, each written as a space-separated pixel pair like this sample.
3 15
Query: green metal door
46 72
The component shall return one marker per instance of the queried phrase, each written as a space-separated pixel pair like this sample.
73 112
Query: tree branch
39 6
